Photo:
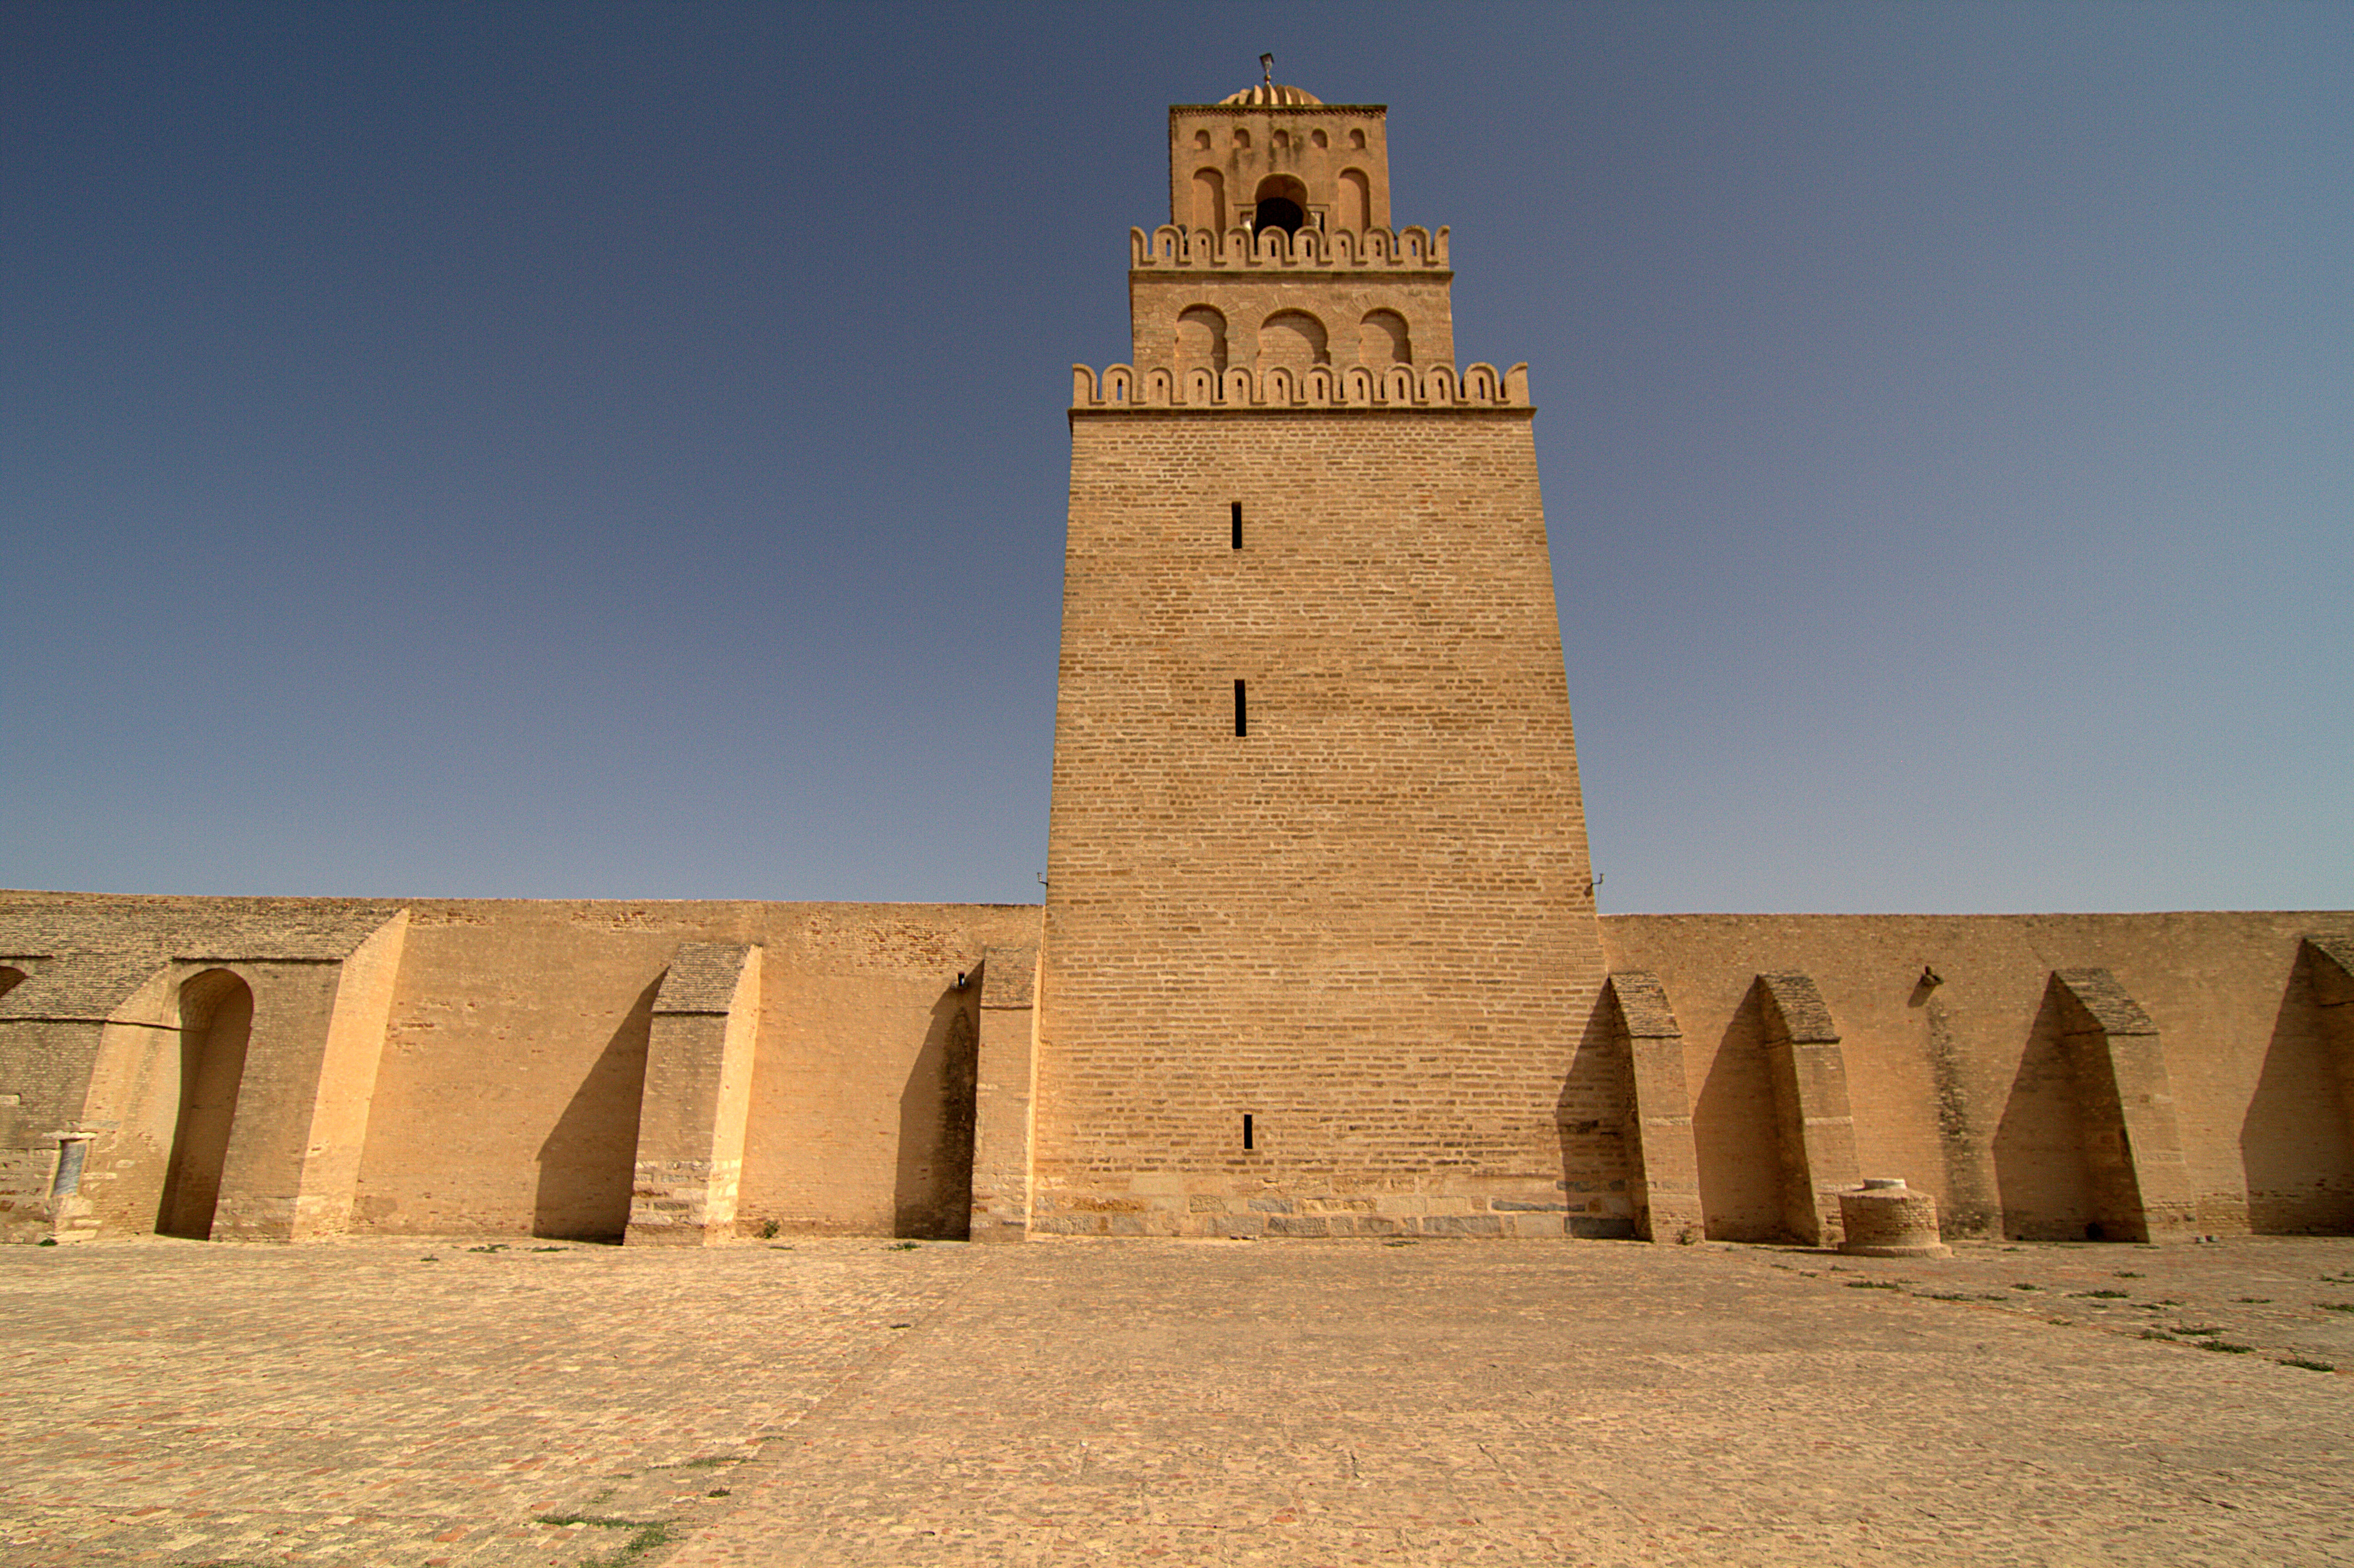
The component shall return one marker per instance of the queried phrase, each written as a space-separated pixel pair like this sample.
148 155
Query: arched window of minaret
1200 339
1382 340
1282 203
1202 141
1242 137
1357 140
1356 200
1317 139
1210 200
1291 340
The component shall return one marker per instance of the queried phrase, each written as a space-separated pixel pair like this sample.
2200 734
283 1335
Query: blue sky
583 450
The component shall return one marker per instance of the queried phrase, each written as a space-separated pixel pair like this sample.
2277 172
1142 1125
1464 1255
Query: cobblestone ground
858 1402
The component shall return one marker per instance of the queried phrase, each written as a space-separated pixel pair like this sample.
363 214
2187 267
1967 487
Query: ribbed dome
1278 94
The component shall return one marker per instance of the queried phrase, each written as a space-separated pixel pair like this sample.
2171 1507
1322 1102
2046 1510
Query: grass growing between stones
652 1534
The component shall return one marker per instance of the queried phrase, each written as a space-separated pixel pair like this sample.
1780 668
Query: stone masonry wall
508 1097
507 1092
1366 923
1964 1088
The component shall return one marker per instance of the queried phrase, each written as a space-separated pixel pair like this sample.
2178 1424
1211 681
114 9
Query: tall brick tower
1319 938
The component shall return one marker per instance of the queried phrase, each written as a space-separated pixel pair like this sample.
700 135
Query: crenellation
1123 389
1173 249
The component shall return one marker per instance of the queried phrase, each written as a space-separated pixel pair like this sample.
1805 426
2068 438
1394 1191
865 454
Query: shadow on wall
1970 1207
589 1160
2043 1180
1595 1117
1736 1136
932 1193
10 978
2295 1144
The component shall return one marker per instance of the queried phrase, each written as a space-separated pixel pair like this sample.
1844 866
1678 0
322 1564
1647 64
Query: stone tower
1319 940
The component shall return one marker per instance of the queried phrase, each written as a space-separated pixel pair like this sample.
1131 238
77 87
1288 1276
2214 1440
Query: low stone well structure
1887 1219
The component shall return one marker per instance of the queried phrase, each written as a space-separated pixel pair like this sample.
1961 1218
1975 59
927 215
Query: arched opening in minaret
1356 206
1282 203
1293 341
1201 339
1210 200
1383 340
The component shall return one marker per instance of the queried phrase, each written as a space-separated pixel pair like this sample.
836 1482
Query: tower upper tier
1273 156
1279 254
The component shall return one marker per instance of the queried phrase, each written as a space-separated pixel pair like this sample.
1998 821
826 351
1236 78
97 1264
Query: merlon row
1122 387
1169 247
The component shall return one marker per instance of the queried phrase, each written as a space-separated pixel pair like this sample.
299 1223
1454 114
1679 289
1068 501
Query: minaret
1320 937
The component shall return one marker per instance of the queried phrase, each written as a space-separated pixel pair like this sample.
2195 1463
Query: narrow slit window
1247 1142
1242 710
1238 525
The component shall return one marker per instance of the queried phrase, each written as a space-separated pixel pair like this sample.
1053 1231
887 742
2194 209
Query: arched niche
1291 340
1355 207
1209 199
1282 203
1383 340
1201 338
216 1010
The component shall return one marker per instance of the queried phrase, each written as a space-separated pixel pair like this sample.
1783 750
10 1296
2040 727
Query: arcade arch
216 1011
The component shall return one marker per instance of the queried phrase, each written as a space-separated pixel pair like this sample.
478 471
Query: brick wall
1367 924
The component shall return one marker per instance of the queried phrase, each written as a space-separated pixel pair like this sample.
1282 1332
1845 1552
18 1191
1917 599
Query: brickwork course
839 1401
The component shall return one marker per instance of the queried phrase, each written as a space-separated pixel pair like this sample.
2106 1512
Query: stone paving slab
853 1402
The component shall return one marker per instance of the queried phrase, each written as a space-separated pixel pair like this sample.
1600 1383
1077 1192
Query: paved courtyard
473 1405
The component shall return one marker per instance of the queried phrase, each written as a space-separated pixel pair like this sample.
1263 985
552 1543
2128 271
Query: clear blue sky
554 450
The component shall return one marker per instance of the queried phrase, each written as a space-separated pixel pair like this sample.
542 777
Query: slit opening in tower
1282 203
1242 710
1238 525
1249 1136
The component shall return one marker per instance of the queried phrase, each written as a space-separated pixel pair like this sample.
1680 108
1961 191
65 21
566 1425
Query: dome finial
1267 70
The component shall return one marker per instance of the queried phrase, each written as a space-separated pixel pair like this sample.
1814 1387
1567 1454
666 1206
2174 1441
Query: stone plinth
1888 1219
